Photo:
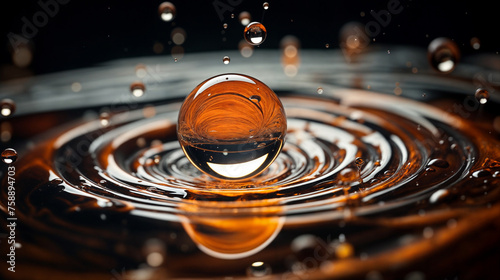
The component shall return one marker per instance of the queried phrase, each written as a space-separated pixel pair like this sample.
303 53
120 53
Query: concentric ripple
334 155
368 178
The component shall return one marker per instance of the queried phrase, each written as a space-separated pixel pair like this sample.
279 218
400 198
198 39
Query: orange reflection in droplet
231 236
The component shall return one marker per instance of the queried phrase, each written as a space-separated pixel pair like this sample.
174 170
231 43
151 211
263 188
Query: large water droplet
167 11
265 5
443 54
9 155
226 59
7 107
255 33
217 139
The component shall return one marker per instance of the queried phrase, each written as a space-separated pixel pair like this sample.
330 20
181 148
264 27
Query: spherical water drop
265 5
7 107
167 11
482 95
475 43
255 33
245 18
224 25
353 38
104 118
76 87
258 269
137 89
348 175
343 250
226 59
319 90
217 119
443 54
246 50
9 155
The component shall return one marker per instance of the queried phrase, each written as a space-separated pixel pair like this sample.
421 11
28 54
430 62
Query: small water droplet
76 87
255 33
104 118
348 175
258 269
319 90
344 250
103 217
167 11
224 25
475 43
7 107
441 163
388 51
224 152
104 203
9 156
438 195
156 159
481 173
443 54
265 5
482 95
137 89
245 18
226 60
232 15
327 46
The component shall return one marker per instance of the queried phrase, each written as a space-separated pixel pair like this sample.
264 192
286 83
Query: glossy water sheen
367 184
231 126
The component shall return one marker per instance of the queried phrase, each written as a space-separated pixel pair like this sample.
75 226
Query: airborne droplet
167 11
482 95
226 59
7 107
255 33
9 155
245 18
137 89
443 54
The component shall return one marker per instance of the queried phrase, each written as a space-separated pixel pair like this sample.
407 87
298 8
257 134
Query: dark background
85 33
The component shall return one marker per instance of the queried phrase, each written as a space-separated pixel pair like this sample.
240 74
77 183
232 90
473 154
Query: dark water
369 185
